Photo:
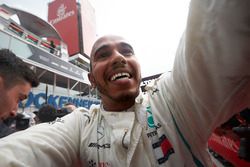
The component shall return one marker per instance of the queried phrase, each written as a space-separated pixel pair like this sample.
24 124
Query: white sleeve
210 80
53 144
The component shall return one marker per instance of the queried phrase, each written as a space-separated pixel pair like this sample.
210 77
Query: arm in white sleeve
53 144
210 80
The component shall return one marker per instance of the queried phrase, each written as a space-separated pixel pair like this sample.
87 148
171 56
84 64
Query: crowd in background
22 121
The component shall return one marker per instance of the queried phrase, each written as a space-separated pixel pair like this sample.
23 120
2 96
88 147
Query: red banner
227 146
62 14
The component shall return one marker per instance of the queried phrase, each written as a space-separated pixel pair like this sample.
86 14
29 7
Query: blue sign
57 101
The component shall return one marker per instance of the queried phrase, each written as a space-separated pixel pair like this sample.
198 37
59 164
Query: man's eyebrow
101 48
124 44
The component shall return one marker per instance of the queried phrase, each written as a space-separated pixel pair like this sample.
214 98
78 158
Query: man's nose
13 113
118 58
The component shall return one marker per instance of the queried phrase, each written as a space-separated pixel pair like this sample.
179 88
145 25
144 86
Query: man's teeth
120 75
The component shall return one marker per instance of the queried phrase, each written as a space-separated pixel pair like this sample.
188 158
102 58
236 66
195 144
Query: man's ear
92 80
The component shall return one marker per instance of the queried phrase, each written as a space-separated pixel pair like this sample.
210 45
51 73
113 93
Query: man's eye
21 100
102 55
127 52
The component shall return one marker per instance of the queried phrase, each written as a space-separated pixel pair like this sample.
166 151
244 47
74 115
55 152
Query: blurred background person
6 127
47 113
16 81
14 124
69 106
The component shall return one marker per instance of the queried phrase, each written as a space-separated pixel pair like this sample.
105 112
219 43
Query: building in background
75 21
147 80
61 82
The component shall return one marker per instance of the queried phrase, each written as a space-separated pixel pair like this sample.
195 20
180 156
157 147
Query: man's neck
118 106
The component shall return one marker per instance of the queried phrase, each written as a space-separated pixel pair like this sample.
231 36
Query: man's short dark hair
13 70
47 113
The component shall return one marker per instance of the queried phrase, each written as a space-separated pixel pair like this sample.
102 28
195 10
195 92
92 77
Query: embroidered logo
92 163
98 146
163 149
155 90
100 164
161 146
151 123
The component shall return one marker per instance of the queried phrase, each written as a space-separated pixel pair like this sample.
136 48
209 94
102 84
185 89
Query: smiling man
171 123
16 81
115 72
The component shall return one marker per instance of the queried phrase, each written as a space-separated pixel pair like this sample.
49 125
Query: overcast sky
153 26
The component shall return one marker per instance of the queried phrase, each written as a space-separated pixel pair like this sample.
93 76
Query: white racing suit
170 125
